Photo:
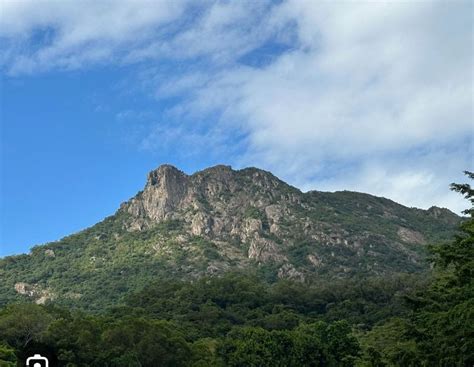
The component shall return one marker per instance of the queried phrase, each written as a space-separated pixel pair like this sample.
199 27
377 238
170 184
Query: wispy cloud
373 96
70 35
380 87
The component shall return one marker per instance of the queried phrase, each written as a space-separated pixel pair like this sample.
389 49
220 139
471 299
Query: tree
76 339
7 356
459 254
21 324
249 346
323 344
313 345
140 342
388 345
443 317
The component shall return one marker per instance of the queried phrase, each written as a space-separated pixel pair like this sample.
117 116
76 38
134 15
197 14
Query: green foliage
22 324
439 330
95 268
240 319
210 307
124 300
467 191
139 342
208 248
253 212
298 253
317 344
358 213
443 317
127 340
7 356
387 345
205 318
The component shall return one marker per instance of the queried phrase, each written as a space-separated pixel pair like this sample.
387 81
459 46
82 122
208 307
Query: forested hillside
247 316
220 220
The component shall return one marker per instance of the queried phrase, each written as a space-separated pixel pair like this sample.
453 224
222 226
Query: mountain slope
218 220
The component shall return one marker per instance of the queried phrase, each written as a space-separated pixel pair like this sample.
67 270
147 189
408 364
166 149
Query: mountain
219 220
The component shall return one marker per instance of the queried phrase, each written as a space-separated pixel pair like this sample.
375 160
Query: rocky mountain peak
273 222
217 174
165 174
220 219
164 191
216 170
443 214
218 203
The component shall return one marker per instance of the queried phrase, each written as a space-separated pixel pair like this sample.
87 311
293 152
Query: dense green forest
234 320
243 319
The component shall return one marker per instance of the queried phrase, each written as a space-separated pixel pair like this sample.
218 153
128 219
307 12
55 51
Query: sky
373 96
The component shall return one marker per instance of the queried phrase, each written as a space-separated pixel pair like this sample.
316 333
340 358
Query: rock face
278 224
218 203
410 236
39 295
49 252
221 219
164 192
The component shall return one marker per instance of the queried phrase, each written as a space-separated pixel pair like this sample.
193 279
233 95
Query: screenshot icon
37 361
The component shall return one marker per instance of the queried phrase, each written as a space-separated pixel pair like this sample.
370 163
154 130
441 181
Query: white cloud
380 90
369 81
76 34
48 35
419 179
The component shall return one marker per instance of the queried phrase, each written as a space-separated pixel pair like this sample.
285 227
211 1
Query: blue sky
372 97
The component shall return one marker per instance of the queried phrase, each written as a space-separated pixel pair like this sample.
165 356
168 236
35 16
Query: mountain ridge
219 220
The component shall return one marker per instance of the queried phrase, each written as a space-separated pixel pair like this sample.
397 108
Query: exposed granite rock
25 289
201 224
34 291
443 214
410 236
314 260
264 250
255 208
288 271
164 193
49 253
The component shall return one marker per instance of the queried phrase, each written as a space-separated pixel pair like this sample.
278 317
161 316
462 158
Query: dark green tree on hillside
316 344
7 356
22 324
439 331
444 317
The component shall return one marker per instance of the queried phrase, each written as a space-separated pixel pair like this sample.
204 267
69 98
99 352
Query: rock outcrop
220 219
273 221
35 292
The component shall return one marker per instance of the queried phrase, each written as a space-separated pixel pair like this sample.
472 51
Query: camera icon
37 361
